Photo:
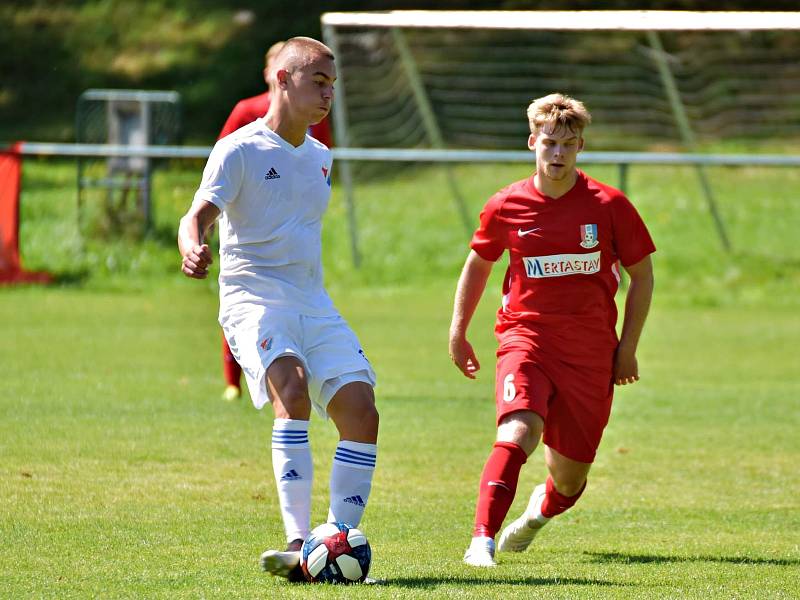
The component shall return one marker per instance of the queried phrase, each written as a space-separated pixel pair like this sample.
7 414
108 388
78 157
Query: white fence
623 159
427 155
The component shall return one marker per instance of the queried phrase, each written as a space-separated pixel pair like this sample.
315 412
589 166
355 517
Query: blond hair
273 52
297 52
558 110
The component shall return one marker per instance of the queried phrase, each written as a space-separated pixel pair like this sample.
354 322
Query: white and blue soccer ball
336 553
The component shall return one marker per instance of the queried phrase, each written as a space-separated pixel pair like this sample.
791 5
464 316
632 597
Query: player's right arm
468 293
195 253
222 180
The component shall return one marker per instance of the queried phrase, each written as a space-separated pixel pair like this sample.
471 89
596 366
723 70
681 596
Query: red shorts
573 400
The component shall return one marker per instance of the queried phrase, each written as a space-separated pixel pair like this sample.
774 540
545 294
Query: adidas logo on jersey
357 500
291 476
273 174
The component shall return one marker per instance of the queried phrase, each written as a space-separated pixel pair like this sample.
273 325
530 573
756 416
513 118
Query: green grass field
122 474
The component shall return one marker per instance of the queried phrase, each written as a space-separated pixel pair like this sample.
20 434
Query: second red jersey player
248 110
553 244
566 235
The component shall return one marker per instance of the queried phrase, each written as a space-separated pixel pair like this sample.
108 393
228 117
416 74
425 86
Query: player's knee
521 429
292 400
356 415
569 487
363 414
370 419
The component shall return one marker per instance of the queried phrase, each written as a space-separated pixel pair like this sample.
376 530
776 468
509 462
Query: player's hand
463 356
626 367
195 262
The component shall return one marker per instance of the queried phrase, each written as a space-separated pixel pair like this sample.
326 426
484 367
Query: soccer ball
336 553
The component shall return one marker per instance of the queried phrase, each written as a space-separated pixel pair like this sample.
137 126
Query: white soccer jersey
272 197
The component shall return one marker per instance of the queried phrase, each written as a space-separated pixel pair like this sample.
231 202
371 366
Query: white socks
294 472
351 480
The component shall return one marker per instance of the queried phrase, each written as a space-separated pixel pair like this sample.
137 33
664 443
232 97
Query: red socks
555 503
498 486
230 368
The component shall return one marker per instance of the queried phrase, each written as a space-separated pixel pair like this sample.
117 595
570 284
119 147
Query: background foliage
211 52
122 475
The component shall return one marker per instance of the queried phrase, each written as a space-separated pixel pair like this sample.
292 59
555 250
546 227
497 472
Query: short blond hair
558 110
300 51
273 52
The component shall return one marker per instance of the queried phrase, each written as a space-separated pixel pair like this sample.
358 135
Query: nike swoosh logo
524 232
498 484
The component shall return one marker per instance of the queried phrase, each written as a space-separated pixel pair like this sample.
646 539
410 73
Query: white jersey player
269 183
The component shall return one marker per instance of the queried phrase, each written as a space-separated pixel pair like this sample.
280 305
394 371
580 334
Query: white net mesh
735 86
121 184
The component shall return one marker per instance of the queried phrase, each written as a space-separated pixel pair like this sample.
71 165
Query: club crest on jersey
589 236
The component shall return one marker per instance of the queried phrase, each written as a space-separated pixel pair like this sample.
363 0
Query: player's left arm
637 305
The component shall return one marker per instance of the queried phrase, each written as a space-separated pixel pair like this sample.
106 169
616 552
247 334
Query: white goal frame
650 22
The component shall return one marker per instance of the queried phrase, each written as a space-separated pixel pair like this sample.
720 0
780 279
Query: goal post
655 81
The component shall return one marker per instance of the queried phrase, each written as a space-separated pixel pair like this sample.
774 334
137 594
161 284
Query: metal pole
343 141
146 184
429 119
682 120
623 178
80 159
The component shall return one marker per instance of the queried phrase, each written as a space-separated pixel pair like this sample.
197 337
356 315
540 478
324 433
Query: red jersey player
558 356
245 112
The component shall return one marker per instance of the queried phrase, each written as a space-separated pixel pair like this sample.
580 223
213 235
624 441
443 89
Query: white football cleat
480 552
284 564
518 535
231 393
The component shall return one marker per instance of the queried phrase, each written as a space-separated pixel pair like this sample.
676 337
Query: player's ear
282 77
580 143
532 141
266 76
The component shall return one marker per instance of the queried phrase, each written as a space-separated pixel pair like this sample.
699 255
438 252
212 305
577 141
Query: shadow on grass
433 582
74 278
620 557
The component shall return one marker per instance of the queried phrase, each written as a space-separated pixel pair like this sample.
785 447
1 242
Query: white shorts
327 347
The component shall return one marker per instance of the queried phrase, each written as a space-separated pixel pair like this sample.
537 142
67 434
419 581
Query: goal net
652 80
123 118
700 85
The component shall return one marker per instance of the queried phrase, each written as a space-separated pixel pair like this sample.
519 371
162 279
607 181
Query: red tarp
11 270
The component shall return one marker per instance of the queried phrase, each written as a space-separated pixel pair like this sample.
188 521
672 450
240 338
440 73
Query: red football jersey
248 110
563 273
